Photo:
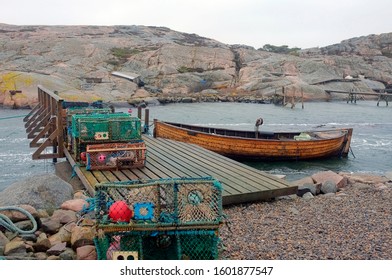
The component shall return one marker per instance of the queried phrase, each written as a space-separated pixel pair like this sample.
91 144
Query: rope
73 169
351 150
9 225
12 117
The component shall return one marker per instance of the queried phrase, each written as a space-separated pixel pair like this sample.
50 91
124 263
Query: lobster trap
80 110
180 202
100 128
84 111
159 245
114 156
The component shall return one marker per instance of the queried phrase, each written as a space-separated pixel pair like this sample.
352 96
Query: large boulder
45 191
324 176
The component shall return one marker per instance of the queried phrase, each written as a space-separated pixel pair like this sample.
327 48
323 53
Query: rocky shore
78 63
332 216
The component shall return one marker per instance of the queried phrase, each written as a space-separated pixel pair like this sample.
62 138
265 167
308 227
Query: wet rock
65 216
3 239
46 191
40 256
68 254
81 236
80 195
308 196
75 205
328 187
303 181
63 235
323 176
364 178
53 257
50 225
314 188
15 246
86 253
43 243
57 249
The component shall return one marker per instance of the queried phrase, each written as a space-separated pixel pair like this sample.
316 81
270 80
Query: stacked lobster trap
173 218
71 111
104 140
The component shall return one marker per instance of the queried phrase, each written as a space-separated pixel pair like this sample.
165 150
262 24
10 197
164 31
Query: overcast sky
296 23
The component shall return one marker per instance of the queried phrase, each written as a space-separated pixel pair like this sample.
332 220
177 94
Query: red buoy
120 212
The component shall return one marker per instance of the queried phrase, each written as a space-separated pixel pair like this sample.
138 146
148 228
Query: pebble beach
354 223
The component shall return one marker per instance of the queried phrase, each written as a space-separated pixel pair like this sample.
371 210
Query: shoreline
210 98
350 223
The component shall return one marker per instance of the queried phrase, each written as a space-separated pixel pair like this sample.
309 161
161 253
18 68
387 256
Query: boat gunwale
344 132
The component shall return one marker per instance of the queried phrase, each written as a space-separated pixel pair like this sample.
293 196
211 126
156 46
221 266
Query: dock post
284 97
293 98
146 120
139 112
302 97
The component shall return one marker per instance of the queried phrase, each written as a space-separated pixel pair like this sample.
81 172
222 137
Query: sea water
371 144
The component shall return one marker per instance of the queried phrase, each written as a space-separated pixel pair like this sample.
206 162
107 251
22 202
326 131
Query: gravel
353 224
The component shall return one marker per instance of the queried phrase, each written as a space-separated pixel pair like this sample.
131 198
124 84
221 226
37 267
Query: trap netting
84 111
80 110
115 127
161 202
158 245
116 156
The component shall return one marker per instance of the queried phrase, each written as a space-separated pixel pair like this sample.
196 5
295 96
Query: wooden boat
251 145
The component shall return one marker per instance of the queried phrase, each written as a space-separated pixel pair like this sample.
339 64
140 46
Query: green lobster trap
115 156
140 204
100 128
159 245
85 111
80 111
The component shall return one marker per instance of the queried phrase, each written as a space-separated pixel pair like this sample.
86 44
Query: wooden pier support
353 95
45 126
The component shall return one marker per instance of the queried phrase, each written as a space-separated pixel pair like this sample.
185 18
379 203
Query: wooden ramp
168 158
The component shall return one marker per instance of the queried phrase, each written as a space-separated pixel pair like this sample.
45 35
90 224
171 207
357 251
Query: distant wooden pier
165 159
353 95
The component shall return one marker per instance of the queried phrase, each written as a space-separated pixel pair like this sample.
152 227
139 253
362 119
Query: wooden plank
99 176
232 165
77 170
193 161
89 176
229 166
232 185
280 188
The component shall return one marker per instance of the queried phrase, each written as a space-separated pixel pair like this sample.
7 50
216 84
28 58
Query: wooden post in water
302 97
284 97
146 120
293 100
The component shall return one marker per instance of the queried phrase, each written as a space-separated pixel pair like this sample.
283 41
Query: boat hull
335 144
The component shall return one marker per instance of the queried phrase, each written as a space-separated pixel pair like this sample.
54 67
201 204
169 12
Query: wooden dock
46 127
353 95
167 158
